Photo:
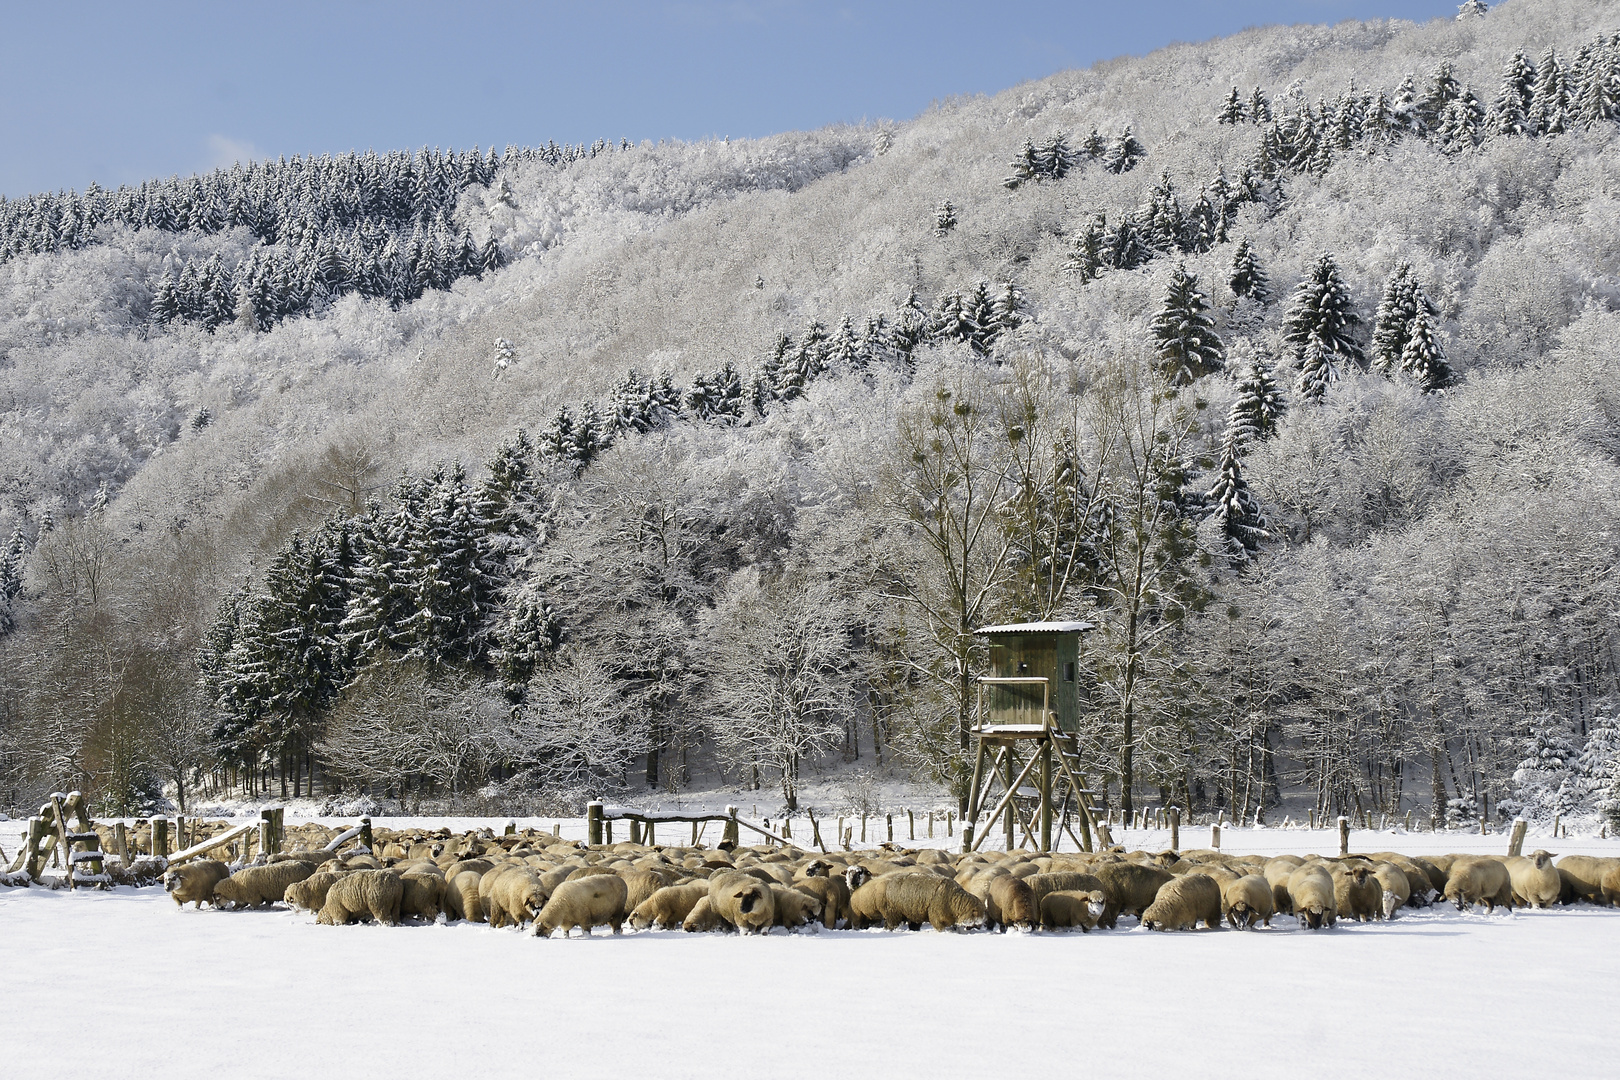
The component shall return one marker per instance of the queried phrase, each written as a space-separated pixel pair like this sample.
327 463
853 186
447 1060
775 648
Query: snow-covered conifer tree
1259 405
1233 507
1423 357
1188 346
1515 100
1322 312
1233 110
1248 277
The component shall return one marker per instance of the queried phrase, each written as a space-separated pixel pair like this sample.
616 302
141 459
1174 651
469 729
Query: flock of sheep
541 881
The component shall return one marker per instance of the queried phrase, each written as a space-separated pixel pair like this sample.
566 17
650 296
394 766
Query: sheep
795 908
1534 879
1310 897
461 897
668 907
586 902
1067 908
1586 875
1396 885
1611 887
1183 902
194 882
310 893
1008 901
913 899
1247 900
743 901
259 885
833 892
1277 872
1130 888
1062 881
376 893
1479 880
702 918
640 884
1357 893
514 897
423 896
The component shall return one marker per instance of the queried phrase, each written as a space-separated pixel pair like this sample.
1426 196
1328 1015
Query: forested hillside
1288 360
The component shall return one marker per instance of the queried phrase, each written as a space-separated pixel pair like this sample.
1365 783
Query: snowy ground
183 994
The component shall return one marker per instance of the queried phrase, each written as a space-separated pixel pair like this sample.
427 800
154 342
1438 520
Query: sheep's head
1096 902
856 876
1543 859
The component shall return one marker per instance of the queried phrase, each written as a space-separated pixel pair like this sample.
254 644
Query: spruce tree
1515 100
1318 370
1188 346
1124 152
1259 405
1321 312
1007 310
1442 91
1233 507
1394 316
1088 258
1597 769
1053 158
1233 110
1248 278
1549 100
1259 108
1024 167
944 218
1423 358
844 349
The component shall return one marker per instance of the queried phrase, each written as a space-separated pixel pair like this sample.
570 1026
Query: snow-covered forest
499 479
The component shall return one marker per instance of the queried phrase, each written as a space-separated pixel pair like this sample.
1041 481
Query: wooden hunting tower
1031 700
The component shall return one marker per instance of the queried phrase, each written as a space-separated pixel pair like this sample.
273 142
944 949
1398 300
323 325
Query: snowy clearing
264 994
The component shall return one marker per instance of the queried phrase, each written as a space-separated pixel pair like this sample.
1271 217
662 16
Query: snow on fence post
1215 835
1175 829
1344 836
730 835
1516 844
593 823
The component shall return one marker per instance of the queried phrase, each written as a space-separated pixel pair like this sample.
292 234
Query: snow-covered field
124 984
183 994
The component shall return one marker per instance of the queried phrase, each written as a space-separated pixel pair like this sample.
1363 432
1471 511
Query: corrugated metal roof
1038 628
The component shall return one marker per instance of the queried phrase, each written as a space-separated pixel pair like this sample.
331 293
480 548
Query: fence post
1516 844
889 818
1215 835
1344 835
911 825
366 839
863 826
160 837
815 830
1175 829
950 824
593 823
930 824
635 831
730 834
967 835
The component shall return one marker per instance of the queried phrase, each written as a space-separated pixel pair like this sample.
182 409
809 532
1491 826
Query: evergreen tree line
379 224
1533 99
1055 158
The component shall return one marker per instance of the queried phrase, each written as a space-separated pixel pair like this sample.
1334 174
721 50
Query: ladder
79 846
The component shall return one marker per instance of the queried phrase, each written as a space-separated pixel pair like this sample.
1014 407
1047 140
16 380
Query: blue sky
117 92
